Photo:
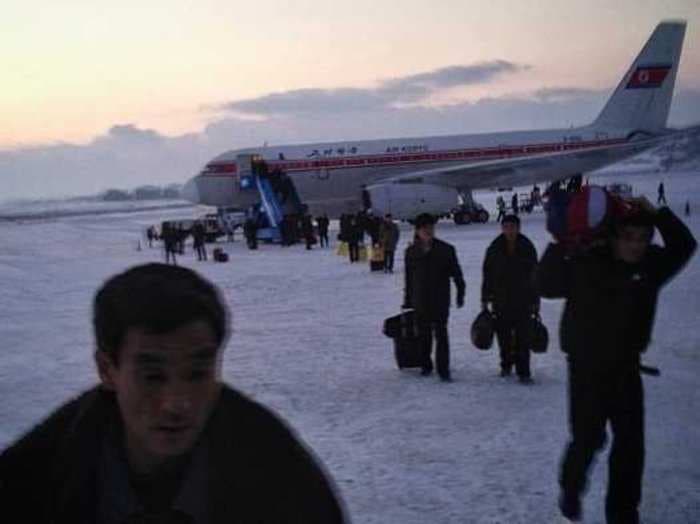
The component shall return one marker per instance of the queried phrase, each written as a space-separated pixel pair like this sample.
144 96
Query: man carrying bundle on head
610 277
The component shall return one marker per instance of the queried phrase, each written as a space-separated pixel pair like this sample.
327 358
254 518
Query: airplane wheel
483 216
459 218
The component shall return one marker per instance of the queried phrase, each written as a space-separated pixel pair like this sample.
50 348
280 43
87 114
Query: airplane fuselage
330 177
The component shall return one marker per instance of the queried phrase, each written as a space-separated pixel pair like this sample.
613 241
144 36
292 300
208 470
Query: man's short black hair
512 219
158 298
424 219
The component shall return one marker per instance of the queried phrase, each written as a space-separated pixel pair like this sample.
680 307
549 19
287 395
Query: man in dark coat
323 223
353 233
514 204
611 292
250 230
169 236
307 230
508 287
430 264
199 237
388 239
162 439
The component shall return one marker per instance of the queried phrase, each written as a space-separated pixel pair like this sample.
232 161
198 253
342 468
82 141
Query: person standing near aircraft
323 223
199 236
514 204
169 236
501 205
389 239
611 291
307 230
662 195
430 265
508 288
353 234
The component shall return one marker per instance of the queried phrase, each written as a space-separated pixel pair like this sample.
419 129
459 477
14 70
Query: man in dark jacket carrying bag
508 287
611 292
162 439
430 263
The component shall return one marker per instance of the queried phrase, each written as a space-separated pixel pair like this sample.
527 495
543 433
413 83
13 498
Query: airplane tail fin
642 100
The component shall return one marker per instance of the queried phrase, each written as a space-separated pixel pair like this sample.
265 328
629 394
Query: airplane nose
190 191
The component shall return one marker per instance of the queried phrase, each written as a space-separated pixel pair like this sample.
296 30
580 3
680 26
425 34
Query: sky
99 94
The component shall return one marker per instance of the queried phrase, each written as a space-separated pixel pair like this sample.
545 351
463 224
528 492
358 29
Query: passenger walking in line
430 265
508 290
388 239
353 233
323 223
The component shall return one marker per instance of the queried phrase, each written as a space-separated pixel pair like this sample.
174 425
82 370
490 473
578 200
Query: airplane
408 176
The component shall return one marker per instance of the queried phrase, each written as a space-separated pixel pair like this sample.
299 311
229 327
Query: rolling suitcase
408 353
403 330
376 258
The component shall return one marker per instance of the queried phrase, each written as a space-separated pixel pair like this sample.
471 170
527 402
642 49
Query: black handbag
482 330
539 336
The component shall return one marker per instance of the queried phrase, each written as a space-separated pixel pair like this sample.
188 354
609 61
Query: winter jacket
428 274
389 236
610 305
509 280
258 471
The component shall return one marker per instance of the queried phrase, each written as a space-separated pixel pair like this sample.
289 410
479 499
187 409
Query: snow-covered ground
307 341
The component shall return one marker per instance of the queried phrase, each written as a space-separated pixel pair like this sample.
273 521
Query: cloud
127 156
401 90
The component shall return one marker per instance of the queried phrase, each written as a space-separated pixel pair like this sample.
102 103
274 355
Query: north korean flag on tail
646 77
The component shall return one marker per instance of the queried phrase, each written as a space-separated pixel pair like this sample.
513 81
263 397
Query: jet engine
406 200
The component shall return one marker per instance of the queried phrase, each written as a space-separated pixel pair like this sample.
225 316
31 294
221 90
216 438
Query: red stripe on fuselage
389 159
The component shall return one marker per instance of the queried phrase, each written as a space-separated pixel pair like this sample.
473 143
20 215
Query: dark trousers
323 238
662 198
201 251
430 330
595 399
354 251
170 252
388 260
512 331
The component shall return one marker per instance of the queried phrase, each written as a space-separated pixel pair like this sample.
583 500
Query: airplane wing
537 168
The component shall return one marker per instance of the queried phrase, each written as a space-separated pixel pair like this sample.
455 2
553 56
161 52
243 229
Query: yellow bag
377 254
363 253
342 249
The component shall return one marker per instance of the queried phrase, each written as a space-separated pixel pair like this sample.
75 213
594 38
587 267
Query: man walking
508 288
323 223
199 237
430 265
662 195
389 239
611 292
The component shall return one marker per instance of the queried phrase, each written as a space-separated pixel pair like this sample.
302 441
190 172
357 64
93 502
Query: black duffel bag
539 336
403 325
483 329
